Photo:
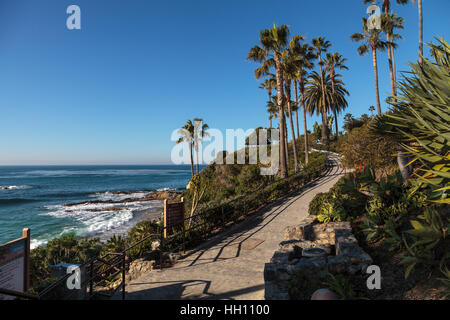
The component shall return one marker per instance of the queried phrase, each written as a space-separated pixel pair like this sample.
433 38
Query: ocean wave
114 172
97 218
15 187
34 243
119 196
15 201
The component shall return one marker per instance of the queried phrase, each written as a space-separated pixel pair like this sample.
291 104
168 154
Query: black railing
195 228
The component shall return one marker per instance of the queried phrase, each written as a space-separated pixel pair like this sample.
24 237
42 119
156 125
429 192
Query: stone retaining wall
343 255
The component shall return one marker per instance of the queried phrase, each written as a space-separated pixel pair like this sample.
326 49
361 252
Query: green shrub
428 242
420 122
316 203
332 210
361 145
342 287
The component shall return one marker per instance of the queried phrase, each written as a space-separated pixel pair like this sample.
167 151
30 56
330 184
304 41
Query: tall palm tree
419 4
289 71
386 8
269 84
386 4
335 61
321 45
372 39
273 41
187 135
389 23
305 57
200 129
319 99
272 109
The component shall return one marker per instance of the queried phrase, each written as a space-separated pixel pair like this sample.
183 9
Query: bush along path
231 265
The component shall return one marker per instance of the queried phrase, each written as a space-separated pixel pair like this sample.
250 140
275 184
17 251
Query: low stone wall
342 255
145 265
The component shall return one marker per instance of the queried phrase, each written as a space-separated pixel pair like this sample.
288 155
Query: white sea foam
164 189
34 243
131 172
96 217
14 187
119 196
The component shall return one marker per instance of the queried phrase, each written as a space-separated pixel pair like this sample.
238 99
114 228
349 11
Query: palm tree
389 23
319 99
200 129
372 39
273 41
269 84
419 4
305 56
289 71
283 139
387 4
187 135
335 61
386 8
322 45
272 109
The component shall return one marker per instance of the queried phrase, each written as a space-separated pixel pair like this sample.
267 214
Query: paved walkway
231 265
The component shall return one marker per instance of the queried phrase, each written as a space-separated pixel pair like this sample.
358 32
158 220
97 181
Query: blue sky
114 91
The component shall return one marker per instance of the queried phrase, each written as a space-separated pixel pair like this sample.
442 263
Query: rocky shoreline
152 195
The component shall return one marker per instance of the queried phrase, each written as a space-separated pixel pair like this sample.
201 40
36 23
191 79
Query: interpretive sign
14 264
173 217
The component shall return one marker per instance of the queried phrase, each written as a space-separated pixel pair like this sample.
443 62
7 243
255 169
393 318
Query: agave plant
426 241
420 122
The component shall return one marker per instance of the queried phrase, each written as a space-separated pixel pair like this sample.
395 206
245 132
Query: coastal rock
152 195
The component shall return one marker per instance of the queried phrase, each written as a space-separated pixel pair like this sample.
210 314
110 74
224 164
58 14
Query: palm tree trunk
305 128
283 164
196 154
294 147
336 124
324 112
192 160
335 107
391 69
296 112
270 116
324 128
420 30
286 142
402 161
375 69
394 67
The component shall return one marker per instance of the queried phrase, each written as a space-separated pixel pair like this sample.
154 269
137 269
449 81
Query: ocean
93 201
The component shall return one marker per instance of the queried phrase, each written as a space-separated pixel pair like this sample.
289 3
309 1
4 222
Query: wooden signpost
15 264
173 217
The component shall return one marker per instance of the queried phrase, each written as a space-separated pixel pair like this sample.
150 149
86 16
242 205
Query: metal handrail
121 256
